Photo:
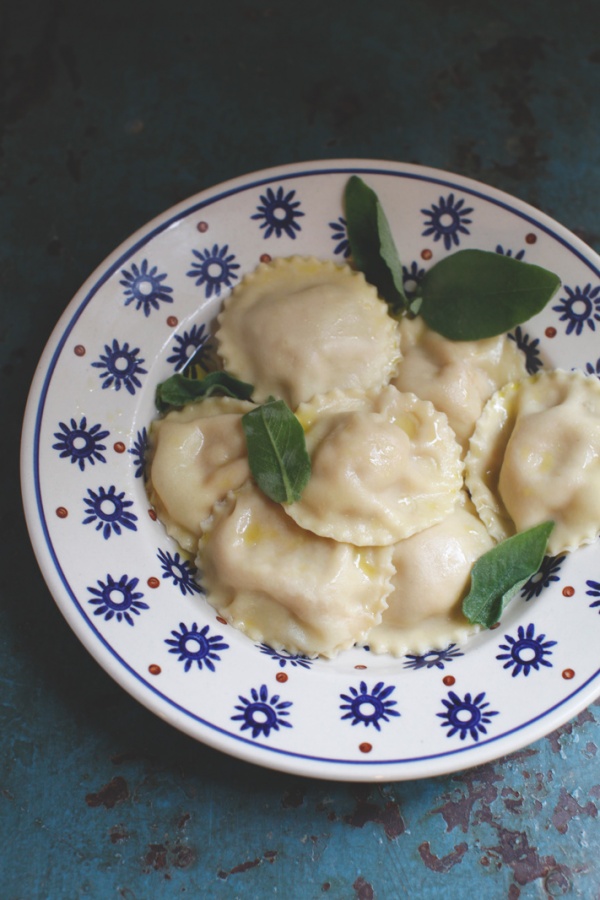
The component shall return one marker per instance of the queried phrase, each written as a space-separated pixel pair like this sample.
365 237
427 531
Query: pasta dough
197 455
298 327
384 466
432 575
456 376
285 586
535 457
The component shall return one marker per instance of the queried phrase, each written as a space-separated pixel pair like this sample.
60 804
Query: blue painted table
109 114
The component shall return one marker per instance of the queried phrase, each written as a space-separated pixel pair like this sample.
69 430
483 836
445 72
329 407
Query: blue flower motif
145 288
526 651
369 707
545 575
468 716
180 571
412 278
117 599
138 451
215 269
194 646
433 658
189 344
80 443
529 347
262 714
500 249
593 368
594 592
121 367
283 657
340 234
109 510
279 213
447 221
579 308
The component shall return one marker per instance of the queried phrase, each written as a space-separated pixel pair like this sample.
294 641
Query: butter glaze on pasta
299 326
535 457
456 376
384 465
432 573
198 454
380 547
286 587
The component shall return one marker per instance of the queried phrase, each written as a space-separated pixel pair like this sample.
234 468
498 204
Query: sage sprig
467 296
372 244
277 453
501 572
179 390
475 294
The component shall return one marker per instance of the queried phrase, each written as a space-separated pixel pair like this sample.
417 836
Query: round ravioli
456 376
384 466
433 571
284 586
197 455
298 326
535 457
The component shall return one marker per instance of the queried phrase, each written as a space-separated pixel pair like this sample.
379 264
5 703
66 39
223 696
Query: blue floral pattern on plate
118 599
94 398
278 212
282 657
526 651
79 443
262 713
180 571
369 707
468 716
433 658
187 345
120 367
447 220
213 269
144 287
580 308
109 511
196 645
547 573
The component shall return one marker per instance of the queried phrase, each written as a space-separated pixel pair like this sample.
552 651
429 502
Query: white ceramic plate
131 599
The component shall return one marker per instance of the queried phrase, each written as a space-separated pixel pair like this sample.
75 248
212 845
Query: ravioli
456 376
298 326
284 586
432 575
384 466
535 457
197 455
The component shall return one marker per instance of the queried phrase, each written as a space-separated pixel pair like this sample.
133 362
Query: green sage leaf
475 294
277 453
501 572
372 245
179 390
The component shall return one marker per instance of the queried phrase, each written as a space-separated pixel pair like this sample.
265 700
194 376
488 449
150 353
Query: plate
130 596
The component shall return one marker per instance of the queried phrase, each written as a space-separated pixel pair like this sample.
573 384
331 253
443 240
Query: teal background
110 114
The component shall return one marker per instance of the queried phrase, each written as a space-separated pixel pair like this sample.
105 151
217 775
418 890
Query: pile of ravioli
425 453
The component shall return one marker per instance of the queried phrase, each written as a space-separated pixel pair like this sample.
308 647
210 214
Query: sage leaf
475 294
277 453
501 572
179 390
371 243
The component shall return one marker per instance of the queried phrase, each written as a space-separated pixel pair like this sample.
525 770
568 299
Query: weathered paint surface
110 113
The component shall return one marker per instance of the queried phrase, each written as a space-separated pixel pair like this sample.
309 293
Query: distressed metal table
110 114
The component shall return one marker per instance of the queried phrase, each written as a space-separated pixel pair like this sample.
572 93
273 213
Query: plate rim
131 681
